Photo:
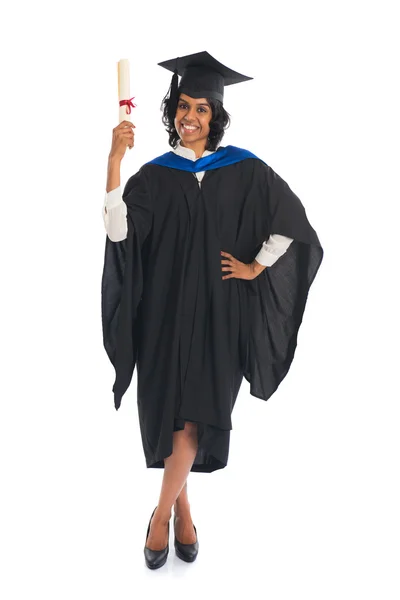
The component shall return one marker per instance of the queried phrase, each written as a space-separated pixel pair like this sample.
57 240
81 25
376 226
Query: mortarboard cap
202 76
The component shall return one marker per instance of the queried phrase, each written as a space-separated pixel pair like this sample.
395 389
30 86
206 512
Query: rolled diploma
123 87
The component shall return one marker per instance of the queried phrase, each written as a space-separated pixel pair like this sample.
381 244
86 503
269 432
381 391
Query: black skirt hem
212 453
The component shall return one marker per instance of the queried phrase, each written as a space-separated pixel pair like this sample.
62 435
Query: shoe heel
155 558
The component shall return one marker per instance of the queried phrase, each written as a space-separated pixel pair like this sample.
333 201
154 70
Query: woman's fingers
238 269
123 136
230 267
124 124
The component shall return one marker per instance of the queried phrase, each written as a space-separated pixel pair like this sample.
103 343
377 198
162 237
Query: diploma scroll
125 102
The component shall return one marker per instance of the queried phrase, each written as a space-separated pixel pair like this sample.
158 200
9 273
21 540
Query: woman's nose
191 114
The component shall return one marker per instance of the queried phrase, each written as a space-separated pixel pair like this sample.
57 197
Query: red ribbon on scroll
129 104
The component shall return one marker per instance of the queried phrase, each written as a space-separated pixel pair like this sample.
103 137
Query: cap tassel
173 96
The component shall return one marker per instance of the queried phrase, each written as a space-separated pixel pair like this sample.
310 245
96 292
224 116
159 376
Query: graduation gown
166 310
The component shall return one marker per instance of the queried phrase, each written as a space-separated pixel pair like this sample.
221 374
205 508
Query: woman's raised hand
123 136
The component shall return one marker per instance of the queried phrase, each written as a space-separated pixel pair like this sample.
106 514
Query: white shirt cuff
113 198
272 249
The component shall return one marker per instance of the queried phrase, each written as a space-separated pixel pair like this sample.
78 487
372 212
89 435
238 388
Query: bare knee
189 433
190 429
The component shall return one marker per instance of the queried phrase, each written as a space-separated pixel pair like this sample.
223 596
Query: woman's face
195 113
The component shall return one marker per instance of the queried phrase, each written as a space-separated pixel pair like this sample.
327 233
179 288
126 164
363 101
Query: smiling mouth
188 129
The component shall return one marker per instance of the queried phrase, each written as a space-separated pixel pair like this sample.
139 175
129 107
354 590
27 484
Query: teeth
189 127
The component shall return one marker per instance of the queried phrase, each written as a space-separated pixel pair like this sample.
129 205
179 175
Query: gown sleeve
122 284
277 296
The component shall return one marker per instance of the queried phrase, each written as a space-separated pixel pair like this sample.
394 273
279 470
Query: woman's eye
184 106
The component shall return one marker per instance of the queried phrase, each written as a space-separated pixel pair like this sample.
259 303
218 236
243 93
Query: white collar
188 152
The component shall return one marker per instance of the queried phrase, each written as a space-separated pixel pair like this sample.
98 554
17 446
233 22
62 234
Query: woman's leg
184 525
176 470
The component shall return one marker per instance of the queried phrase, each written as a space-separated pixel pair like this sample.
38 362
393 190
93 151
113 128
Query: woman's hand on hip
238 269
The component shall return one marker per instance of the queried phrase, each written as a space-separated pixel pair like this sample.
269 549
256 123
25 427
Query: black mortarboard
202 76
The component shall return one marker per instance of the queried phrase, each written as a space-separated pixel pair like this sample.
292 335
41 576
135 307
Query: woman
186 295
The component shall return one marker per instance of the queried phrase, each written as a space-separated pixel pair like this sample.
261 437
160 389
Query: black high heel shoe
155 558
187 552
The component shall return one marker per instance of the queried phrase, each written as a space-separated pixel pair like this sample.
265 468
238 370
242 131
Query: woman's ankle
182 509
162 515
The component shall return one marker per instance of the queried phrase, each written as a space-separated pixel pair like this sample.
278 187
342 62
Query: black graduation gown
191 335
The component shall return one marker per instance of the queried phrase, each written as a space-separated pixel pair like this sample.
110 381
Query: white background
308 504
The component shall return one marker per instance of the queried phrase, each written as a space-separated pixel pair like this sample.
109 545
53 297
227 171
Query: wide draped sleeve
122 284
277 296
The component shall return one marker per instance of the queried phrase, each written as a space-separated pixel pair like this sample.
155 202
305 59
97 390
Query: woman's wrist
113 173
257 268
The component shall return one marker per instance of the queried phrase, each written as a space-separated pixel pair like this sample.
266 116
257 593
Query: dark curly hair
220 121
